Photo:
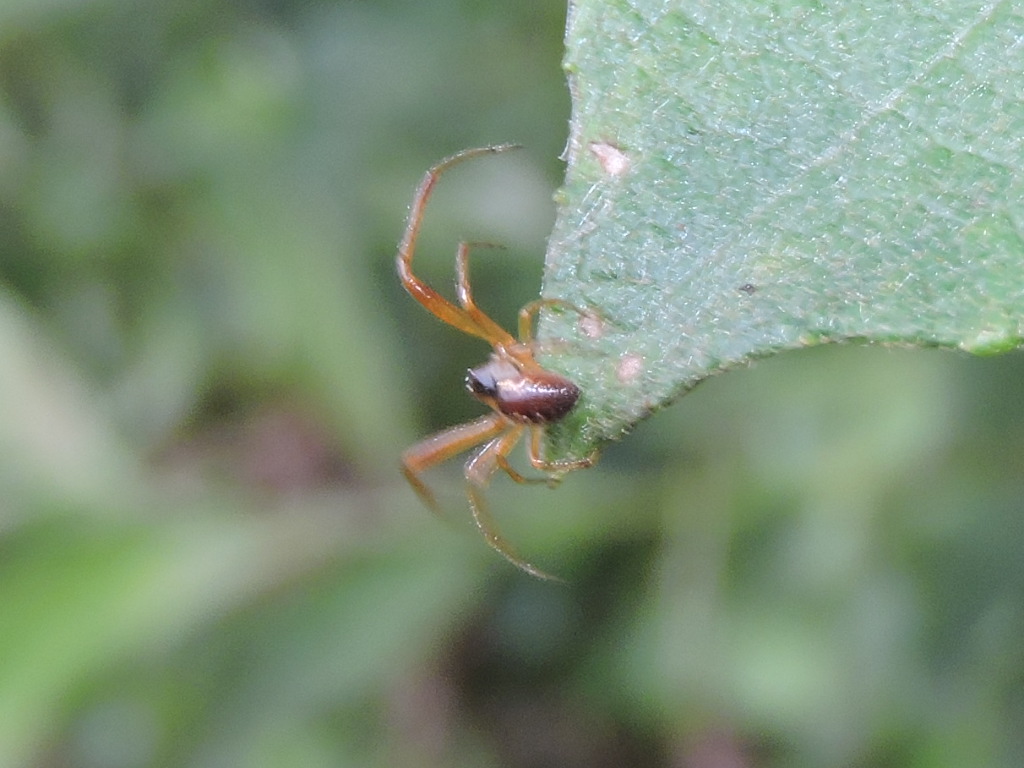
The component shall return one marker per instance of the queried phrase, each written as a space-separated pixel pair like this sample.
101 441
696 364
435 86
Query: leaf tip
992 341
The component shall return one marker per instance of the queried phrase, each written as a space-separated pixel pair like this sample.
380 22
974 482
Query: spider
522 394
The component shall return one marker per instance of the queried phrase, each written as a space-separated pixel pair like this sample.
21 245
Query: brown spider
520 392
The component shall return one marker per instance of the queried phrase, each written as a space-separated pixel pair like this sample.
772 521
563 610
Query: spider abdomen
534 396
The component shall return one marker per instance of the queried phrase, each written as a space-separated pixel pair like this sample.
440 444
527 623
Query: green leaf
748 177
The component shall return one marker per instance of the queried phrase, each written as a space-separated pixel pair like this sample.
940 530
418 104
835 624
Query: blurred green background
208 371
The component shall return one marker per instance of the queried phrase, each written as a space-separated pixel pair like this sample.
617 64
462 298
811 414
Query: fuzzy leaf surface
747 177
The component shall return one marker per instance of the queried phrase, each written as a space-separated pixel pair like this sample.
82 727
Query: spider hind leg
442 446
479 471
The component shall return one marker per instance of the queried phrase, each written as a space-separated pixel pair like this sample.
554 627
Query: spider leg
497 335
503 462
434 302
554 468
528 314
479 471
442 446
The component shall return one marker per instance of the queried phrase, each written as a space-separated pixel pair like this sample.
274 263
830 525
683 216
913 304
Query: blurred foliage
208 371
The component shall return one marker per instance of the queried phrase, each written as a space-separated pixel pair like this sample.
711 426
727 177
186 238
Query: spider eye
481 383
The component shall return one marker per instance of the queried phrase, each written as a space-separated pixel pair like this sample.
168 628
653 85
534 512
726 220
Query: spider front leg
497 335
431 300
479 471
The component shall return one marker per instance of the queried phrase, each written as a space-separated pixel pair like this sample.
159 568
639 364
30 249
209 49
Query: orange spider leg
434 302
506 465
479 471
443 446
555 468
497 335
528 314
